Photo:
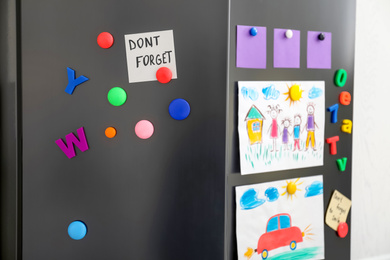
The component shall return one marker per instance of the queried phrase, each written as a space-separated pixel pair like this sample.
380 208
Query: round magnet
110 132
291 188
164 75
144 129
342 229
253 31
289 34
117 96
77 230
105 40
321 36
179 109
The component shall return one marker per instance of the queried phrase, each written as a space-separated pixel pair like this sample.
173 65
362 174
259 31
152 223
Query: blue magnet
179 109
253 31
333 110
77 230
73 82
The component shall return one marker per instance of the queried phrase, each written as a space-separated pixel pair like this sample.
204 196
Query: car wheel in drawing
264 254
293 245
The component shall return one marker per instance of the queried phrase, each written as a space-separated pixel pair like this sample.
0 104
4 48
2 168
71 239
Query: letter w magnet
71 140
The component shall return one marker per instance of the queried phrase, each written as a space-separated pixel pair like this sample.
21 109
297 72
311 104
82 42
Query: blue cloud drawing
250 93
271 93
316 188
249 200
272 194
315 92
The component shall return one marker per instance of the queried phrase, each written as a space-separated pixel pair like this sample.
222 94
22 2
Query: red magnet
342 229
345 98
105 40
332 143
164 75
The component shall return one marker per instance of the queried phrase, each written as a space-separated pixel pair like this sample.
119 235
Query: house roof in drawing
254 113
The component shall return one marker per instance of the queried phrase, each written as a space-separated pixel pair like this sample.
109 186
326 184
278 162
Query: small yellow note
338 210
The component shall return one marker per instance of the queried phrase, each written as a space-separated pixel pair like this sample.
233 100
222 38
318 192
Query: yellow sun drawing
294 93
291 188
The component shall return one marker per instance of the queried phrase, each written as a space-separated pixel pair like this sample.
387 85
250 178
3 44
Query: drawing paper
280 125
288 226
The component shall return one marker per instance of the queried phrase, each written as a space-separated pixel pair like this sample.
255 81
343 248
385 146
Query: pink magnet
164 75
144 129
342 229
105 40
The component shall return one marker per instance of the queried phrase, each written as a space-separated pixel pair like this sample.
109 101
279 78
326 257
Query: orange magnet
110 132
345 98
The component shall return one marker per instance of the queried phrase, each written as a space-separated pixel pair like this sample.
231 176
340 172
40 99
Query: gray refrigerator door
158 198
337 17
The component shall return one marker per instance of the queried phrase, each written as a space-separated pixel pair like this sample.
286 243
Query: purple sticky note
251 50
319 52
286 50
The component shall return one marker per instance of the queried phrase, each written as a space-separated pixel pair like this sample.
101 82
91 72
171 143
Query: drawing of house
254 125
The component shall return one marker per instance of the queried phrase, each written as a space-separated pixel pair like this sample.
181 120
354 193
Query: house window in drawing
254 125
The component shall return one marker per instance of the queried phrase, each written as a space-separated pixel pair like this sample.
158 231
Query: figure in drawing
285 133
274 111
310 127
297 131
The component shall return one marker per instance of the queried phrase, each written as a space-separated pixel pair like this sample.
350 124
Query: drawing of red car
279 232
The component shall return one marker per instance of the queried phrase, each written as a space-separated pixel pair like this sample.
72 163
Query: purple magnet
319 52
286 50
72 140
251 51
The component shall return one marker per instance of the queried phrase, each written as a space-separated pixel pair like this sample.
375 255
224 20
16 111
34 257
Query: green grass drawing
298 254
264 155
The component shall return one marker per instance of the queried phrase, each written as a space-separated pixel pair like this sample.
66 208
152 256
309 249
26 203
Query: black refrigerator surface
155 198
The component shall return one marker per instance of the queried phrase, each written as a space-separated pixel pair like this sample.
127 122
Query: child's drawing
274 111
281 228
254 123
310 127
293 126
285 133
297 131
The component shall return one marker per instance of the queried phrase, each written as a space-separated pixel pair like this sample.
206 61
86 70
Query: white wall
371 137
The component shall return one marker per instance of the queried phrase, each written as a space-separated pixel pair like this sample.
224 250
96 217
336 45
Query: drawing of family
255 119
